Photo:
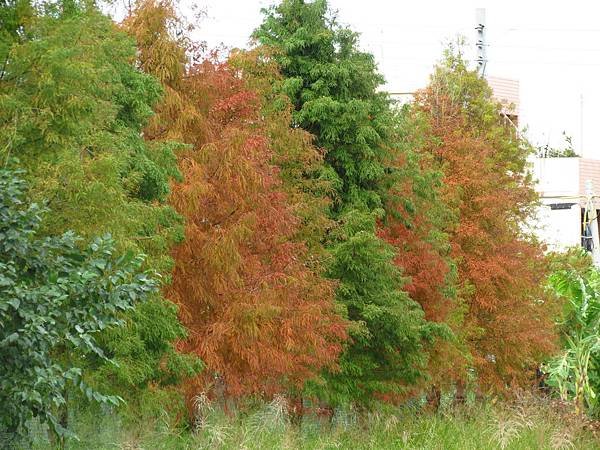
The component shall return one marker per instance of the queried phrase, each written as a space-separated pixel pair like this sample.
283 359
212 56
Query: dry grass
527 423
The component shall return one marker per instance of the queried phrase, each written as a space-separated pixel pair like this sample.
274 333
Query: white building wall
560 181
559 229
557 177
506 91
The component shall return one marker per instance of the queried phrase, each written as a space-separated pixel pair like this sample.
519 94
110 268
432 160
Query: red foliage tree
508 325
259 315
421 255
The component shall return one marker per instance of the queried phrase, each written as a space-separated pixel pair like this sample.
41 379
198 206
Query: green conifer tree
333 87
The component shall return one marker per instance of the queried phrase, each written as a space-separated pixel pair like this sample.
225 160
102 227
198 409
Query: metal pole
480 42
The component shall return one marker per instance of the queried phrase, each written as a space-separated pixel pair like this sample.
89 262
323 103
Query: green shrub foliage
72 109
54 299
575 371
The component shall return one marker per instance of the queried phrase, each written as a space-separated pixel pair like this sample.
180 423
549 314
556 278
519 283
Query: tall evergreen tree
333 87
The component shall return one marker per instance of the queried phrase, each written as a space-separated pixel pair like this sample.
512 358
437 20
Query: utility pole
480 42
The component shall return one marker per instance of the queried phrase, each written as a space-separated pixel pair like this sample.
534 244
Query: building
567 188
568 215
506 91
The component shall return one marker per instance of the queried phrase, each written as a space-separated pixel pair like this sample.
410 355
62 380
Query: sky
552 48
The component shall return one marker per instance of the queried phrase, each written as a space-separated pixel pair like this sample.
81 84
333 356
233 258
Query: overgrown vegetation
72 107
321 268
56 299
567 151
524 424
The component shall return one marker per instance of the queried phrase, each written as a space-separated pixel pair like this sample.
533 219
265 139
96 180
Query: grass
527 424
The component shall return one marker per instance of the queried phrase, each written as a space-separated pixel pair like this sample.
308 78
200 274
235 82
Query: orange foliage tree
508 325
417 224
258 312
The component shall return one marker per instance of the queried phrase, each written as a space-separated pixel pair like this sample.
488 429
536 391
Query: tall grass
525 424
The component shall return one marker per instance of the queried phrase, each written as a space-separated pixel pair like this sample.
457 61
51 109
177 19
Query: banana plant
574 372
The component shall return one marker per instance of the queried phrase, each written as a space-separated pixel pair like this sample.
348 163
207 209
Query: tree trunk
64 419
434 398
296 409
460 397
56 440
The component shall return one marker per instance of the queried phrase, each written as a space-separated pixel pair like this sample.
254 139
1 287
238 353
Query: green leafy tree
14 16
72 109
54 300
333 88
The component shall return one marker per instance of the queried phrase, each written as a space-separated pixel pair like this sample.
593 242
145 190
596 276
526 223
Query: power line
560 30
539 47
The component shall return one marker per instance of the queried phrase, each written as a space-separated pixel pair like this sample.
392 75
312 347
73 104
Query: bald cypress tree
250 289
508 325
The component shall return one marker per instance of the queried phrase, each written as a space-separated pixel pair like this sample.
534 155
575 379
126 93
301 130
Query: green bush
54 299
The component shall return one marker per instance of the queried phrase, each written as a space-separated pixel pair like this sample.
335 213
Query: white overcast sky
552 47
